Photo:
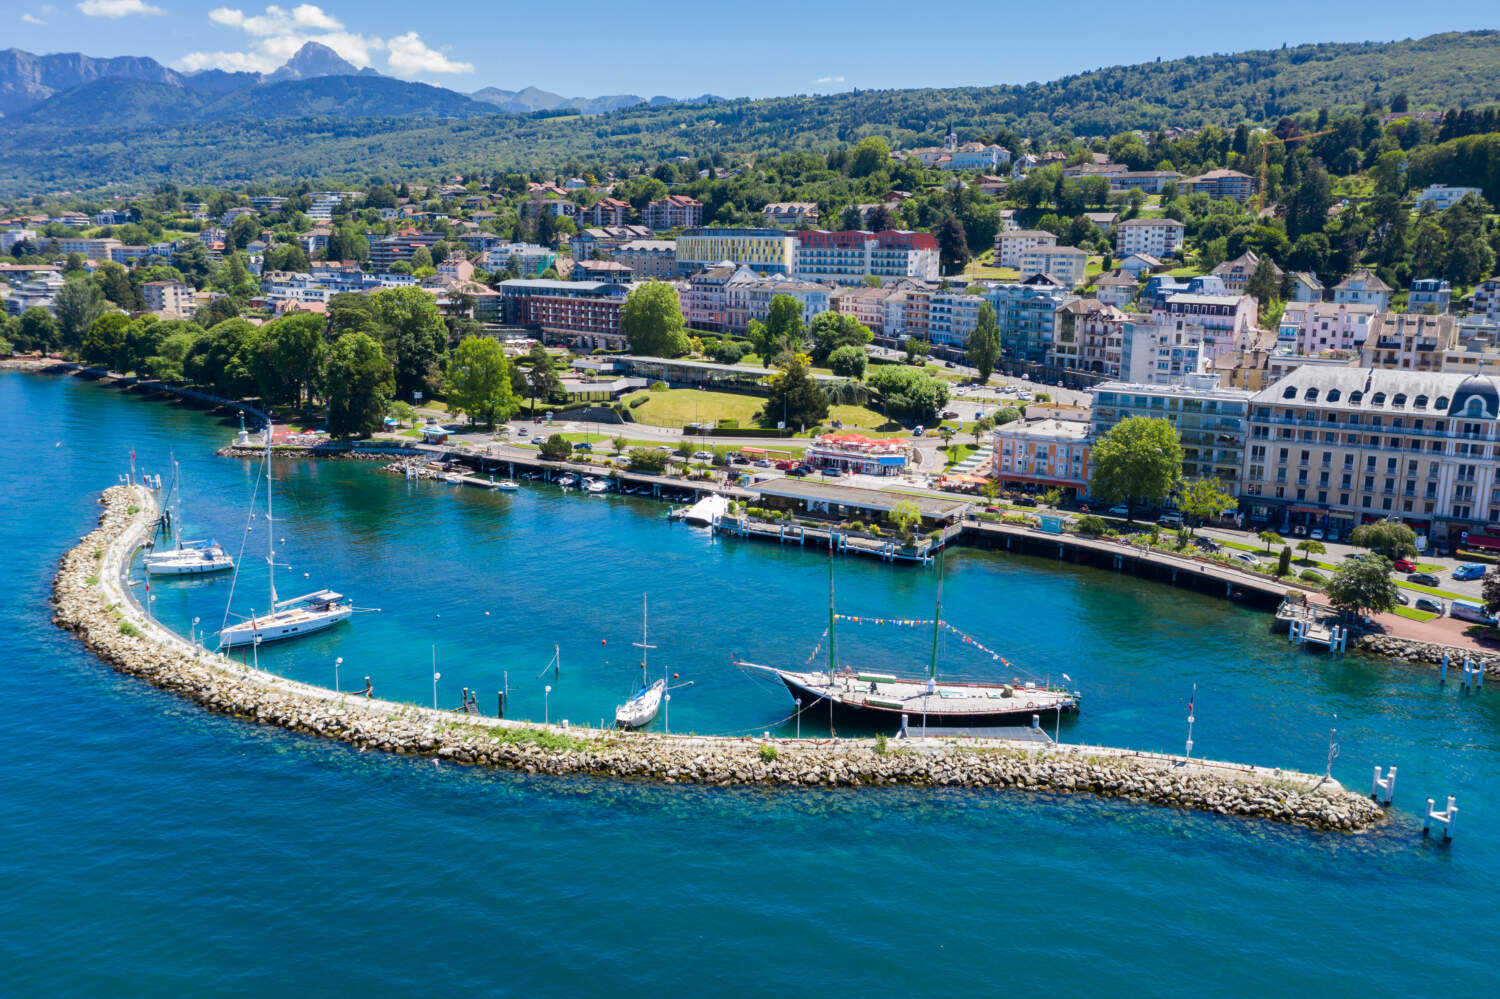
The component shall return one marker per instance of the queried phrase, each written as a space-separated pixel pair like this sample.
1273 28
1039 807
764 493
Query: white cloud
278 32
409 55
117 8
32 19
829 79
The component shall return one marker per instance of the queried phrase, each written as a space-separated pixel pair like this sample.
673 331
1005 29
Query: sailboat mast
833 654
644 640
270 522
937 616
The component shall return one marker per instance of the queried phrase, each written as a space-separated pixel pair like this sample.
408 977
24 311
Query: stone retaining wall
91 599
1430 653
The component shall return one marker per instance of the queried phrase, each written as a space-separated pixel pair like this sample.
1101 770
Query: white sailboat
285 618
186 558
641 707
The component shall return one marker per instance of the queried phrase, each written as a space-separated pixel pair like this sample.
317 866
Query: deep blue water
149 848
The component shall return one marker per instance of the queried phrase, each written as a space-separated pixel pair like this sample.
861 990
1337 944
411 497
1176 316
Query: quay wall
91 598
1428 653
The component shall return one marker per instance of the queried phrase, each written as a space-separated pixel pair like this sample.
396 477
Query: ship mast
937 616
270 522
832 639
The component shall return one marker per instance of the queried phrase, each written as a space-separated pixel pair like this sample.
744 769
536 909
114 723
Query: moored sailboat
641 707
185 558
284 618
887 701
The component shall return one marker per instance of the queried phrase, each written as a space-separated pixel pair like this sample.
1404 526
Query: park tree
37 330
1362 584
906 515
360 383
1204 499
1270 538
210 361
114 283
542 381
216 310
556 448
784 326
105 341
831 331
1489 591
984 343
794 395
652 320
848 361
78 304
1137 462
647 459
908 393
479 381
298 352
1390 538
1309 548
412 337
871 155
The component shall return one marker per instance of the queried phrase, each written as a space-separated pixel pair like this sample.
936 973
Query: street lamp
547 705
336 664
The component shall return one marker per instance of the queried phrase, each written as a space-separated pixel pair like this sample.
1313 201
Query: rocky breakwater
91 599
1430 653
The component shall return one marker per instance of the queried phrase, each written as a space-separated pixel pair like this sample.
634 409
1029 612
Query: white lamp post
336 664
547 705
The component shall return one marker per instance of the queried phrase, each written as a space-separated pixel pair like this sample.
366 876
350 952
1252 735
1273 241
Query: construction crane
1260 204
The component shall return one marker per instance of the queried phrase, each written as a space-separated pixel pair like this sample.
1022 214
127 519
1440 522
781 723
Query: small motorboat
453 478
567 480
507 486
596 486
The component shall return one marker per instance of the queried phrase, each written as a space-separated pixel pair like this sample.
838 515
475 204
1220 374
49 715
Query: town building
1138 264
1038 455
1306 287
523 259
648 258
387 251
1148 181
1116 288
1105 221
951 316
768 251
1429 295
1088 338
1363 288
1408 341
605 239
583 314
1337 447
1222 319
953 155
171 298
1067 265
676 211
1440 197
1220 184
857 454
90 249
1236 273
791 214
1324 328
1157 237
605 211
1487 299
1212 423
1026 316
850 257
1010 245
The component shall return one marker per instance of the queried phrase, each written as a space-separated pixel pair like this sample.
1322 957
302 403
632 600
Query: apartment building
1212 423
850 257
1149 181
1222 320
1159 238
89 249
1043 454
677 211
1408 341
583 314
648 258
1067 265
1026 314
1337 447
1429 295
1011 245
768 251
1236 273
1324 328
1363 288
1087 337
1220 184
791 214
172 298
605 211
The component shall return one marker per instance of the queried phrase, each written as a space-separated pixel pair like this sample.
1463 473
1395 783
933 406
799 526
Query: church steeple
950 141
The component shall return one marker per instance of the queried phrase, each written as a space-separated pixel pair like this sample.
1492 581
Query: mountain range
71 87
75 123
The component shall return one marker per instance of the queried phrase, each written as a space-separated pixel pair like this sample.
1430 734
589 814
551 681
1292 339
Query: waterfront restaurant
830 502
857 453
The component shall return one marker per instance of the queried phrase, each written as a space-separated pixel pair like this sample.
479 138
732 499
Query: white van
1467 610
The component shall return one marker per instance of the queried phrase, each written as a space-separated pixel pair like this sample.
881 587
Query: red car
1403 565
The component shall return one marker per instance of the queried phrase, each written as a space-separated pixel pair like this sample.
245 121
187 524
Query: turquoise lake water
149 848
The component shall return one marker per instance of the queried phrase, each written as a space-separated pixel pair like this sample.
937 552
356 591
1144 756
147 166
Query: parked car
703 456
919 431
522 432
1300 531
1024 501
738 459
950 414
762 463
1470 570
832 473
800 471
1119 510
1332 535
1430 604
583 446
1423 579
784 465
1402 598
1246 558
1404 565
1171 519
1207 544
1316 535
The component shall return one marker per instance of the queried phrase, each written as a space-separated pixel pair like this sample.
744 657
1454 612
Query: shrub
856 525
658 387
639 401
129 630
1284 564
1092 525
1312 576
768 752
880 744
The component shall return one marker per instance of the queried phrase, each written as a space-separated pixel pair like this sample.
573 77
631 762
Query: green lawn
866 420
1413 613
958 452
679 407
1431 591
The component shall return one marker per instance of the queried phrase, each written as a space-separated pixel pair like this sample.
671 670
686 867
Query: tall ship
885 701
289 618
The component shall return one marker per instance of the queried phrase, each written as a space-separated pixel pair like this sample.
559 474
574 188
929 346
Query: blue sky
681 48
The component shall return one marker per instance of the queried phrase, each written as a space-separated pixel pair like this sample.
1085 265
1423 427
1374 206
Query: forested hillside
88 148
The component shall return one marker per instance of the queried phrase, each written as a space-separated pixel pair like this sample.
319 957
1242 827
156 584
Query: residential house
1408 341
1363 288
1154 237
1440 197
1104 220
1137 264
1306 287
1429 295
791 214
1115 288
1487 299
1237 273
1324 328
1220 184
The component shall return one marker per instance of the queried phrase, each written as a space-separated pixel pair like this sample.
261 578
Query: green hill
348 128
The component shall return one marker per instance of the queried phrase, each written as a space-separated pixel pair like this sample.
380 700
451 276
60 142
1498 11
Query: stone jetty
91 598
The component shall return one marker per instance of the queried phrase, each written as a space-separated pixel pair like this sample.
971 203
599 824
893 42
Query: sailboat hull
274 628
850 709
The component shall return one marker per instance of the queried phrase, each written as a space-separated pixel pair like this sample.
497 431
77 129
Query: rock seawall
91 599
1429 653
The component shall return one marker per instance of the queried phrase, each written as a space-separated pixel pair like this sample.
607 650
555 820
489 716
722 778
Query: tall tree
413 338
360 383
652 320
1202 499
831 330
1137 462
984 342
953 245
795 396
299 351
78 304
784 324
1387 537
479 381
1361 584
541 381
